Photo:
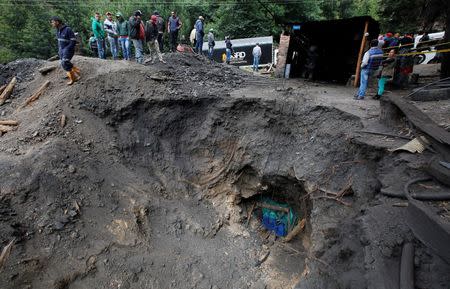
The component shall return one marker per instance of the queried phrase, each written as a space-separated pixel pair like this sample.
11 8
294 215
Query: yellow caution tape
423 52
409 44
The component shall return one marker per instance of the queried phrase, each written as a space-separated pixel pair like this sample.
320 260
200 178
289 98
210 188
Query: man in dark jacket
151 36
123 29
66 48
137 35
228 49
211 43
161 27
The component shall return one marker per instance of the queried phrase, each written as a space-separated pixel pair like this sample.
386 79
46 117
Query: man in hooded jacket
99 34
123 30
151 36
137 35
161 26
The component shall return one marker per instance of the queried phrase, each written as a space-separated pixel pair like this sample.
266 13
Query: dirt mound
23 69
152 180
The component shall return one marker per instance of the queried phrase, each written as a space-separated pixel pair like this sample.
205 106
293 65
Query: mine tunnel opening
279 206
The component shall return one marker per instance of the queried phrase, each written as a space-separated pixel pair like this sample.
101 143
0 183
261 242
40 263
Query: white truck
425 58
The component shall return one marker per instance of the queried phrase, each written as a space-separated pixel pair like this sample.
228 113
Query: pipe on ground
407 267
418 196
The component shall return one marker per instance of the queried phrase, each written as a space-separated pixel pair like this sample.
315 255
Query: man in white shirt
256 56
110 26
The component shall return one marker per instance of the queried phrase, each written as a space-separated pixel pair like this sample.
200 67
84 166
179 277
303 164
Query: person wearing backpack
151 36
211 43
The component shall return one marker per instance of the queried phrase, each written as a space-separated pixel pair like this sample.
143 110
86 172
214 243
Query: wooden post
360 55
283 50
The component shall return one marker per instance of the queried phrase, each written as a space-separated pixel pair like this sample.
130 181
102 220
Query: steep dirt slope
150 183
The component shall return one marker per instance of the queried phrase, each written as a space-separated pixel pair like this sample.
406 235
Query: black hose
418 196
407 267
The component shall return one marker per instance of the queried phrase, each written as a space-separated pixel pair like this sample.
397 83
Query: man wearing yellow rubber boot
66 48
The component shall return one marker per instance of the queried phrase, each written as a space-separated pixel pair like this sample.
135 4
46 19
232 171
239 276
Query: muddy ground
151 181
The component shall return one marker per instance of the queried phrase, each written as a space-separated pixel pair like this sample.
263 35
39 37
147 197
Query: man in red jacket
137 35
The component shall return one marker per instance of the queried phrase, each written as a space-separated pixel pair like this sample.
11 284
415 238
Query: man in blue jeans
228 49
370 64
211 43
123 29
110 27
199 33
99 34
256 57
137 35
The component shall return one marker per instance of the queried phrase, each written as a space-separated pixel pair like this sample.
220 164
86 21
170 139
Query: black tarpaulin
328 49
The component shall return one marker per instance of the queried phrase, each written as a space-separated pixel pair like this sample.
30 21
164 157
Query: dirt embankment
150 182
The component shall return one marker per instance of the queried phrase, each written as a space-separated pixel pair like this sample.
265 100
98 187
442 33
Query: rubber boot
71 76
77 71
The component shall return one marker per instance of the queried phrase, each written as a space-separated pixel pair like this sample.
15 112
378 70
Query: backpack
160 24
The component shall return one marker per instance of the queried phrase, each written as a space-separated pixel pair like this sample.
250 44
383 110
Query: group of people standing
197 35
387 59
120 32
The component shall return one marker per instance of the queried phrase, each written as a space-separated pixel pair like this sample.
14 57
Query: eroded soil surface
152 180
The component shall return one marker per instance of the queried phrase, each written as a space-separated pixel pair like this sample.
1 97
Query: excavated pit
153 181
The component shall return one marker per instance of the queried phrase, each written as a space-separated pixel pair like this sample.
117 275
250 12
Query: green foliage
25 30
401 15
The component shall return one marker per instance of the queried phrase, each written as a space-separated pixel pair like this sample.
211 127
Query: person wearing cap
151 36
199 34
256 56
137 35
173 26
110 27
161 27
66 48
387 39
123 30
99 34
211 43
228 49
